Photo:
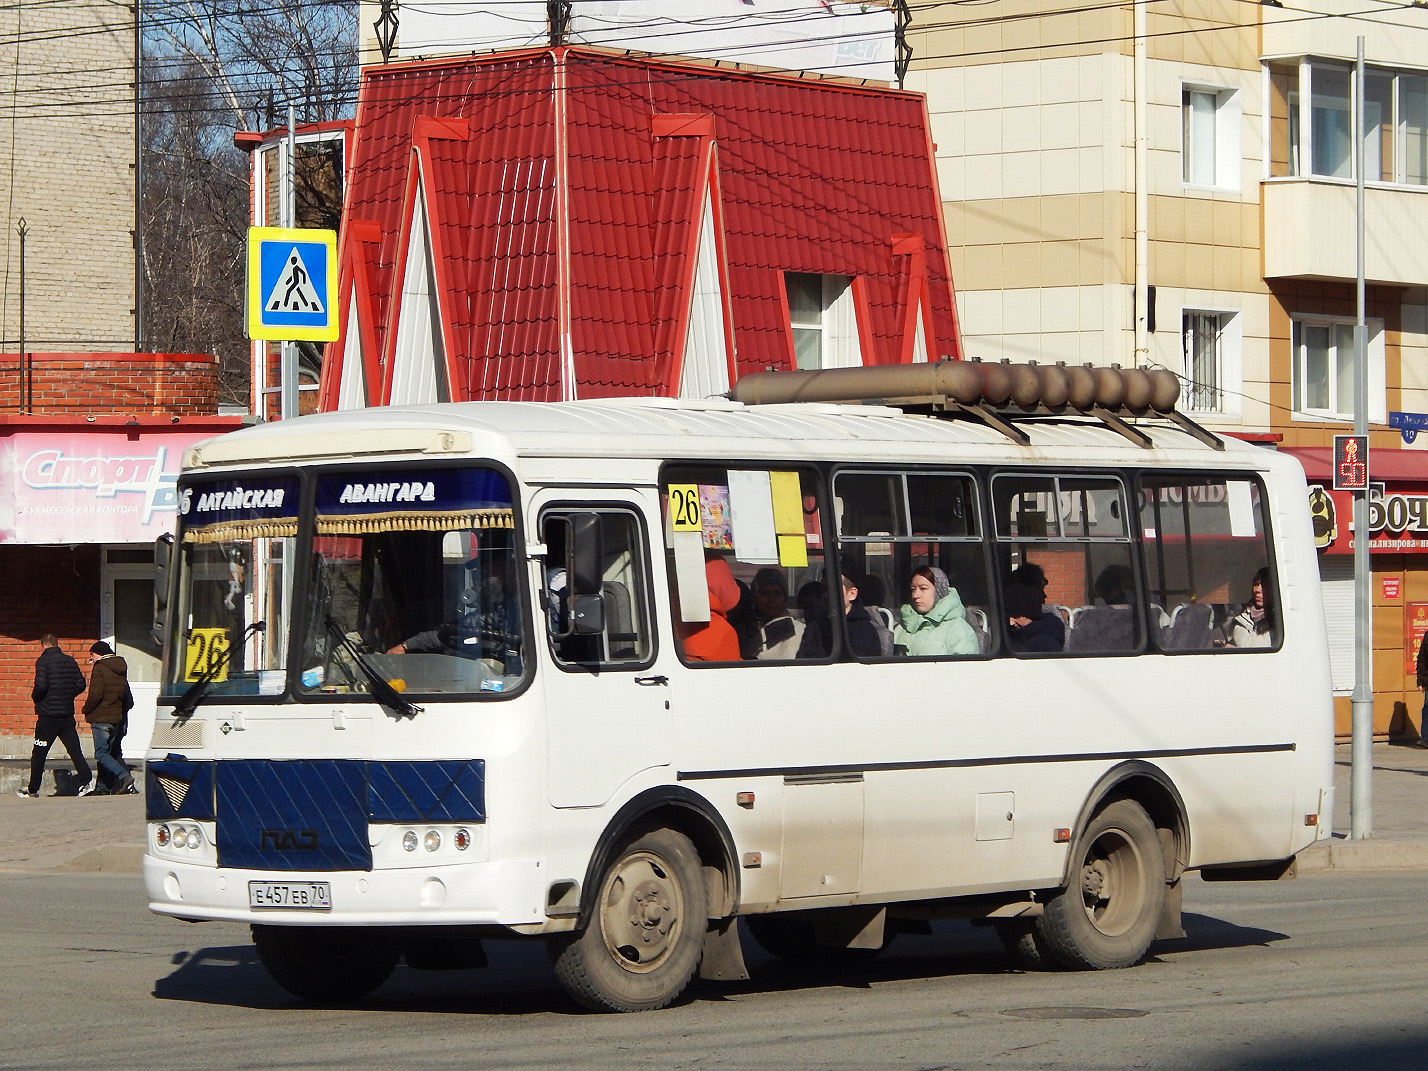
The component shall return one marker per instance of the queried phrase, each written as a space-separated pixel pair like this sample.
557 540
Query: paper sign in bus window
714 516
751 517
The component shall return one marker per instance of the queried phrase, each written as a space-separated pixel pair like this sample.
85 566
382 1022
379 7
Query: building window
1210 346
1210 136
1395 146
1323 370
823 320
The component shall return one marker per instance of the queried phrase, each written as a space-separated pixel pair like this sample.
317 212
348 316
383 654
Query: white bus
589 673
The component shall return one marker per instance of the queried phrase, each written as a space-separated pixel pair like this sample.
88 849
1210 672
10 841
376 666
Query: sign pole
287 363
1361 768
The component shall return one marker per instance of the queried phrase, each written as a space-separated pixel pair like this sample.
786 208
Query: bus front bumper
510 892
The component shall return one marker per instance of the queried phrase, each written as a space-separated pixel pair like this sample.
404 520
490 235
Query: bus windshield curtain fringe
239 531
408 521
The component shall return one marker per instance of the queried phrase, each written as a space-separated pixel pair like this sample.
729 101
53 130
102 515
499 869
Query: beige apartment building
1173 185
67 169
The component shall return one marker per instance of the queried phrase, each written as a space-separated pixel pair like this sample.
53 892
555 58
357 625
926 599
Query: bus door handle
649 682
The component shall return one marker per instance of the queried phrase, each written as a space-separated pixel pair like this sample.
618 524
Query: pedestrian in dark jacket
58 682
106 708
1423 683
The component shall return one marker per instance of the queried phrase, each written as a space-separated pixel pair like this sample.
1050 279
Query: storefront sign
96 486
1416 626
1397 521
1392 586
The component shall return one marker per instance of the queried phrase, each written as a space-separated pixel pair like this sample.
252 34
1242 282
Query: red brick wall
47 589
176 384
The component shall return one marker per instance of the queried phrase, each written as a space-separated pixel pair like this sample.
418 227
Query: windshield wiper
188 702
377 685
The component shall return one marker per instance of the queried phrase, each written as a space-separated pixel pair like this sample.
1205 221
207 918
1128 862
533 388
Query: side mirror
584 562
587 615
163 557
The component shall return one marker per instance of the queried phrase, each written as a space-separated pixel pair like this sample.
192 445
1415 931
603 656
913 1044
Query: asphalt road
1328 971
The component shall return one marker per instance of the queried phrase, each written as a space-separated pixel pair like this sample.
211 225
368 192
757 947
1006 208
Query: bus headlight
432 841
409 840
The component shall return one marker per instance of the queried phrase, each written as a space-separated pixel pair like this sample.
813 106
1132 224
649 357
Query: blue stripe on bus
310 814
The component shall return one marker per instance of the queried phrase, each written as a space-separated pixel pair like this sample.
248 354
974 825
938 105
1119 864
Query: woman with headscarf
933 620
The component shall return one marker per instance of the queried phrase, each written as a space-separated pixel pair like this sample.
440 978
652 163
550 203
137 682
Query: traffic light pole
1361 769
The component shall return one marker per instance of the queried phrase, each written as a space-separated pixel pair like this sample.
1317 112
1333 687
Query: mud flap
723 959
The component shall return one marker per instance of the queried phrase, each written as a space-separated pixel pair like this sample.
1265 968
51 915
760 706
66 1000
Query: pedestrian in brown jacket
106 708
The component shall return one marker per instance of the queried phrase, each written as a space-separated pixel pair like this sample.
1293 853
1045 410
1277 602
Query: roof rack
994 393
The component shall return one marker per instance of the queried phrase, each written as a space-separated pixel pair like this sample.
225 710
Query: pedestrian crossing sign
292 284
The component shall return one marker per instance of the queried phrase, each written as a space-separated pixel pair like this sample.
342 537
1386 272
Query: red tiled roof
581 207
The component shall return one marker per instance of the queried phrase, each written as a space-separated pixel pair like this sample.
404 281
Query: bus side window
608 627
764 578
900 530
1209 563
1067 565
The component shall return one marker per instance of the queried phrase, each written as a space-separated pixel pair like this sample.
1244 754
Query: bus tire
326 965
1028 951
645 934
1108 915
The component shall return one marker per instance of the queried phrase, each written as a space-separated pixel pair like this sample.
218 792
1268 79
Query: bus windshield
235 561
414 573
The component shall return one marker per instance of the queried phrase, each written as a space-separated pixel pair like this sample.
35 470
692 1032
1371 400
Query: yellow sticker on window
792 551
787 503
684 507
206 647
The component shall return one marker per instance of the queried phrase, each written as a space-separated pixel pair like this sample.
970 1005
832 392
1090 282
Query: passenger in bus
1254 625
771 632
716 641
1113 585
1031 575
1029 626
865 638
933 620
817 623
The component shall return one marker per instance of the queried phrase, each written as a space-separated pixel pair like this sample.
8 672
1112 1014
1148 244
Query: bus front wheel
326 965
645 936
1109 914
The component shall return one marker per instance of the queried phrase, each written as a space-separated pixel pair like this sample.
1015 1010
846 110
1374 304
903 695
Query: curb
1367 854
109 859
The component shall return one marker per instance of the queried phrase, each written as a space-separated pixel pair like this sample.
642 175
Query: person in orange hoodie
716 641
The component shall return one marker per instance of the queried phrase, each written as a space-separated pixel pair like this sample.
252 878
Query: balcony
1309 232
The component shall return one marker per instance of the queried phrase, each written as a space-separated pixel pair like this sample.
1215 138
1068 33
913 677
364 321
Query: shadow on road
1204 932
519 980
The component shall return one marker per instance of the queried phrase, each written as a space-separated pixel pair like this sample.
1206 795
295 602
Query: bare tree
213 66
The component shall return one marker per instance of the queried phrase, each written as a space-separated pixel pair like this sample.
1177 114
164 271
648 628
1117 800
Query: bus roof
665 428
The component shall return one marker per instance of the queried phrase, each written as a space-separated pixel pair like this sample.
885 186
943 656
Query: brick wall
174 384
69 170
47 589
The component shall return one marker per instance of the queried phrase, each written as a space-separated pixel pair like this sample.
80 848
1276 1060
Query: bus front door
607 702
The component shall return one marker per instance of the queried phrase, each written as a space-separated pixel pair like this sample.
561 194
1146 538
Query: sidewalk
105 834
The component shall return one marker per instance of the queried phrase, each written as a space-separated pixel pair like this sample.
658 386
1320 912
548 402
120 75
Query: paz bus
436 675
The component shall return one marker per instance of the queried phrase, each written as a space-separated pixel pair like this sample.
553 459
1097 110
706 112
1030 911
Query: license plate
302 895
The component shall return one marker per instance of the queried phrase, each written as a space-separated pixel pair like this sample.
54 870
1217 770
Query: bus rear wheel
1108 915
645 936
326 965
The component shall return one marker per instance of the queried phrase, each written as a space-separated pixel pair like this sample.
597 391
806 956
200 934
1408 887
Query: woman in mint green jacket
934 621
